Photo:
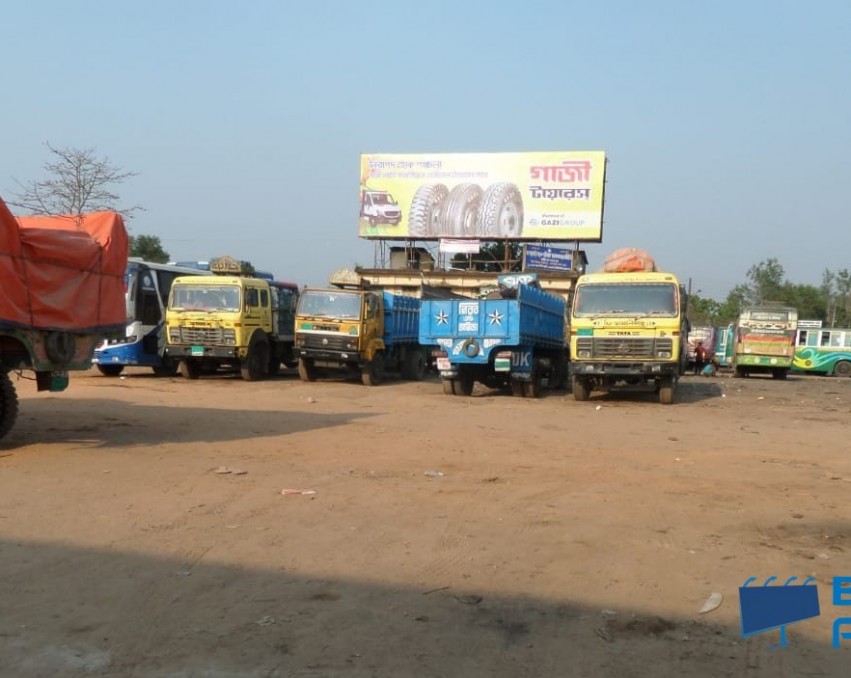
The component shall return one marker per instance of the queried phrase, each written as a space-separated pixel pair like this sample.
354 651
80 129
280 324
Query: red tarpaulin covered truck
62 283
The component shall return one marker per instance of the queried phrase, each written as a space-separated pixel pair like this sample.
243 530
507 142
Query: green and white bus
822 350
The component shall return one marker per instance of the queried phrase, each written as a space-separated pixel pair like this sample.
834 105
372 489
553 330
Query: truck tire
373 372
779 373
255 365
424 215
534 386
460 212
518 388
168 368
274 361
110 370
414 367
189 368
667 392
60 347
581 389
464 383
500 212
448 386
8 403
306 370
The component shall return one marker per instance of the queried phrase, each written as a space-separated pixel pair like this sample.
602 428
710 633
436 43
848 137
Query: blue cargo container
516 340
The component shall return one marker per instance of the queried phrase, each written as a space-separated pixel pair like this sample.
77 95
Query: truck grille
326 342
631 348
201 335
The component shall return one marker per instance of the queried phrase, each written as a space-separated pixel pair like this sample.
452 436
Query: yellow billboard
490 196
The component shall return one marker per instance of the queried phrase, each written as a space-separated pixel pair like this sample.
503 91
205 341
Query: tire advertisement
485 196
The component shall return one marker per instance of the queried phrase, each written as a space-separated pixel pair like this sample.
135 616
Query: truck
359 331
765 340
515 338
63 292
231 319
628 328
379 207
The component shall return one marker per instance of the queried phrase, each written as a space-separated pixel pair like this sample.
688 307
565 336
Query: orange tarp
628 260
63 272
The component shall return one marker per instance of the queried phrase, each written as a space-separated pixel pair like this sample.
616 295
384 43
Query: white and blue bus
147 286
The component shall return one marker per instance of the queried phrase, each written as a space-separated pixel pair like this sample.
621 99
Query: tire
274 362
460 212
372 373
842 369
558 373
535 385
518 389
60 347
168 368
189 369
306 370
500 213
255 365
778 374
415 366
448 386
110 370
581 389
738 372
666 392
8 404
426 206
464 384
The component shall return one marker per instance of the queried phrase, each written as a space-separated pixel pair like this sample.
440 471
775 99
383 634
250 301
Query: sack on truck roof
629 260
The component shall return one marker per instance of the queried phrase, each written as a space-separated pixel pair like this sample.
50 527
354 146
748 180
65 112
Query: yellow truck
231 319
628 329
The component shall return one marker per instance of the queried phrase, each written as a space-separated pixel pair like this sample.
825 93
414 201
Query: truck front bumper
330 358
218 352
623 369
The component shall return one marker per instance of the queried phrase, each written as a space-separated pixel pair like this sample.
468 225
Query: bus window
825 338
802 338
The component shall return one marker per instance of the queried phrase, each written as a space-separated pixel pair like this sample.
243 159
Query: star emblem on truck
495 318
442 318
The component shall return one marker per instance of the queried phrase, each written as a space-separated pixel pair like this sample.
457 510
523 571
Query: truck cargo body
498 342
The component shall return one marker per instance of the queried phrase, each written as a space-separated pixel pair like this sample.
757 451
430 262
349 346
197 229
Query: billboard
550 196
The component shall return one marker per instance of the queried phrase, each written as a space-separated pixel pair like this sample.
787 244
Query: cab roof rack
231 266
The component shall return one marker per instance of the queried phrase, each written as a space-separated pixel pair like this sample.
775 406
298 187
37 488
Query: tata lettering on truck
361 332
515 339
63 292
628 327
231 319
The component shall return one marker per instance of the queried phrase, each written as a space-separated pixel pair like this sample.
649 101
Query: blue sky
727 125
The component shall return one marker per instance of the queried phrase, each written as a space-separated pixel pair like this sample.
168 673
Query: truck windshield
321 304
383 199
205 298
629 299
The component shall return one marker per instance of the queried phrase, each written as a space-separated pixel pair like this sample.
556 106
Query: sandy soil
562 538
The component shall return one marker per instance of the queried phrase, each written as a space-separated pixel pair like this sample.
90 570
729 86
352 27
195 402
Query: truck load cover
629 260
63 272
401 319
534 318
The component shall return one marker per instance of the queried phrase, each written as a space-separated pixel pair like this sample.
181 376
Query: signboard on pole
459 246
548 258
553 196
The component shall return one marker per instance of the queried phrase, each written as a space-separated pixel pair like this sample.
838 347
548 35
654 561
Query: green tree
767 279
78 181
149 248
703 310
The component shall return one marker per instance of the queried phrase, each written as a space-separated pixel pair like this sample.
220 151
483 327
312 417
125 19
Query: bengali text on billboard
518 196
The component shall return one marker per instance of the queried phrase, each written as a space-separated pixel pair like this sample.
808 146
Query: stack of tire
467 210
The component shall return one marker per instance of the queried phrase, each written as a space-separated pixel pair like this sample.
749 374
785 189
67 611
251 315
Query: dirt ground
447 536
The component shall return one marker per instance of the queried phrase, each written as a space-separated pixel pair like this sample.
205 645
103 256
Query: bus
822 350
724 345
765 340
147 286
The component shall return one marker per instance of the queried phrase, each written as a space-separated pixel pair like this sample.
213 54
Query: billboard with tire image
516 196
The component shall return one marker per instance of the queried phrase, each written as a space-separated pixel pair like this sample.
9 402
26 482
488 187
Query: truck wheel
500 212
306 371
461 210
842 369
666 392
189 368
8 404
464 384
581 389
110 370
533 387
274 362
255 365
168 368
415 367
448 386
424 215
518 389
778 374
373 372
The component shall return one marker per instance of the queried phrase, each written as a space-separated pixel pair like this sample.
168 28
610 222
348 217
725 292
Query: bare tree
78 182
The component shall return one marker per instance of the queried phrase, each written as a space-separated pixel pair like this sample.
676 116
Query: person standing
699 358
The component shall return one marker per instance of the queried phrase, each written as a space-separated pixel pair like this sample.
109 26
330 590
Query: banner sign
552 196
548 258
459 246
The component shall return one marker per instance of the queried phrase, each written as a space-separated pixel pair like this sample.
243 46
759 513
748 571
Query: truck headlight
352 345
665 355
583 354
299 340
229 337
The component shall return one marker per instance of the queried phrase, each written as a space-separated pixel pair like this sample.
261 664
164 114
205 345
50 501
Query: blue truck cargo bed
401 319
